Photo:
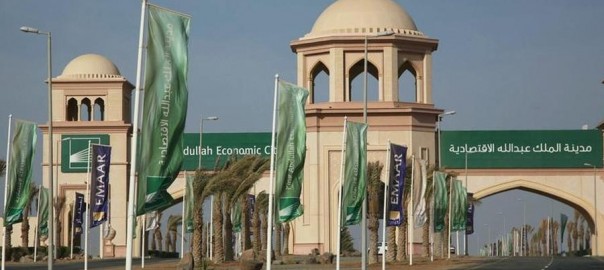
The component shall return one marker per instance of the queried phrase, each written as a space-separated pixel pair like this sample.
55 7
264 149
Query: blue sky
501 65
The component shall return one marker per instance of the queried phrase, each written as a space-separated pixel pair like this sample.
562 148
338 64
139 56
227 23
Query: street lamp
489 243
51 183
364 214
523 227
212 118
595 209
440 118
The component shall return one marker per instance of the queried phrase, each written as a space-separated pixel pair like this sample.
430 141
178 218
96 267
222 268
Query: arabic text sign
521 149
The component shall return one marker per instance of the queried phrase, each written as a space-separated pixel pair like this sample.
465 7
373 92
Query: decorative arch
355 82
99 110
319 83
85 109
71 112
407 83
584 207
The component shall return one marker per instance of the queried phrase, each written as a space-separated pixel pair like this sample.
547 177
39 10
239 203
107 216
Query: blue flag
78 213
99 184
396 186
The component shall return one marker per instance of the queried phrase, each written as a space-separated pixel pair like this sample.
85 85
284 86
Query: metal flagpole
87 207
6 177
338 244
144 238
384 219
133 142
182 235
36 236
269 229
411 215
72 227
450 206
432 220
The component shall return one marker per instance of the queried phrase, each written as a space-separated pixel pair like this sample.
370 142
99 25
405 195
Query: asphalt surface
542 263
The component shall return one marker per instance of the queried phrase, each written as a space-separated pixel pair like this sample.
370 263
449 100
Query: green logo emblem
75 151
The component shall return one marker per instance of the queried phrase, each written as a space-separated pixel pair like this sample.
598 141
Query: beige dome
90 66
354 17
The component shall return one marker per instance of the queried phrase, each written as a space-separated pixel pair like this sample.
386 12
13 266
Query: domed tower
331 64
91 102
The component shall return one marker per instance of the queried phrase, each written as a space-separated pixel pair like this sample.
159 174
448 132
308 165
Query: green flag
563 221
236 217
291 151
19 171
189 204
441 200
43 211
165 108
355 173
460 206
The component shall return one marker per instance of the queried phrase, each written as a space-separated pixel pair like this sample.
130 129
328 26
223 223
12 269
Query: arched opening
320 84
527 221
407 83
85 109
357 80
72 110
99 110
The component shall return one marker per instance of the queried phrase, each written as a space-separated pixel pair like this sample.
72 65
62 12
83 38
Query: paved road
542 263
94 264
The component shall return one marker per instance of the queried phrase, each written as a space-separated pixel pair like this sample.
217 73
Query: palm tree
570 227
401 252
286 230
2 167
33 192
199 186
261 205
172 234
374 185
59 204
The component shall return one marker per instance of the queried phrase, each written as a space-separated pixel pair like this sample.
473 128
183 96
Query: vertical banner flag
419 196
470 215
291 151
441 200
355 172
563 221
165 108
19 171
99 184
78 216
43 211
236 217
189 204
460 206
396 186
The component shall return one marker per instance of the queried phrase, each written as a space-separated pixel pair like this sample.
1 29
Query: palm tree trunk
401 242
218 250
198 243
265 225
228 236
372 225
278 239
245 224
286 230
391 242
256 225
25 228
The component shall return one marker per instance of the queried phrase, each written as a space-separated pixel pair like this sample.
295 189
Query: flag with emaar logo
78 213
99 184
291 151
355 173
19 171
165 108
396 186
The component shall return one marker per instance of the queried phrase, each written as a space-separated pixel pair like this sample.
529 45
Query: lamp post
523 226
489 243
51 183
440 119
595 210
364 213
213 118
